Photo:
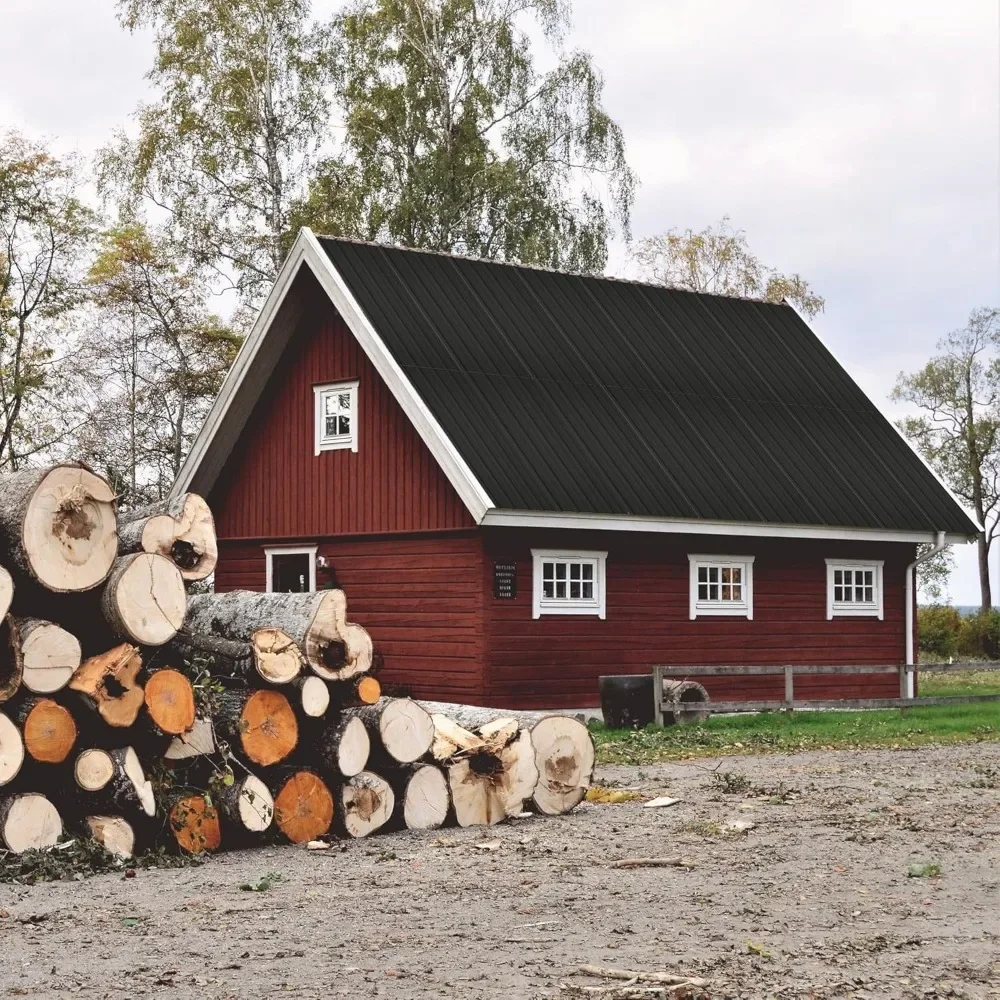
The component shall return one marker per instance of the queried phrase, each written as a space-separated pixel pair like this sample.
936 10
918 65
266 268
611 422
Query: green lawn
776 732
960 683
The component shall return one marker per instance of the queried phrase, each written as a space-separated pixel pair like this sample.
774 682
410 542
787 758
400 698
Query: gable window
336 416
291 569
853 587
721 585
568 583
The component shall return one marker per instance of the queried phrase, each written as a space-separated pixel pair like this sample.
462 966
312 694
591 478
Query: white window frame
732 609
290 550
555 606
854 609
339 442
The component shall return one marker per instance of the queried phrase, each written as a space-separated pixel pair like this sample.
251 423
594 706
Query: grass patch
930 869
780 732
960 683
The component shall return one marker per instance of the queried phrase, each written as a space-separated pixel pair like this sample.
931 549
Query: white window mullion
567 567
848 590
709 594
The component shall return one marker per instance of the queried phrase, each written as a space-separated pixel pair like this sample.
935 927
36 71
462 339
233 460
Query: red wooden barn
525 479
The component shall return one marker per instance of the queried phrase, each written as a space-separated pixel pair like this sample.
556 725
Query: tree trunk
50 655
169 701
262 721
193 822
144 600
109 684
113 832
343 747
269 652
113 781
471 717
985 588
180 528
199 741
399 726
303 807
58 526
246 804
365 802
314 696
11 750
422 796
11 662
333 647
49 730
29 821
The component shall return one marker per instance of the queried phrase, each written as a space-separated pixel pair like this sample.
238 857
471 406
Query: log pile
140 714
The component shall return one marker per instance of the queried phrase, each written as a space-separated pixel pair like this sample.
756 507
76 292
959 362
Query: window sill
344 445
593 610
721 611
865 612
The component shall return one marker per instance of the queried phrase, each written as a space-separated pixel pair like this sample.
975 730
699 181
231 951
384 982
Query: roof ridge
553 270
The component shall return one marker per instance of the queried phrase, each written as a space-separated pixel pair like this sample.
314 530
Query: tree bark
399 726
262 722
985 588
58 526
112 782
317 622
48 729
11 662
422 796
181 528
49 654
269 653
366 803
109 684
11 750
144 599
303 806
29 821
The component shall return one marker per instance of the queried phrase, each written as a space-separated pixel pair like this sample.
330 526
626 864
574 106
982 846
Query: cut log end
11 750
195 825
269 731
407 729
187 539
354 748
493 782
69 532
29 821
564 756
366 803
109 682
6 592
93 769
198 741
276 655
303 808
426 799
50 655
256 804
335 648
169 699
315 697
368 690
49 732
132 767
114 833
145 599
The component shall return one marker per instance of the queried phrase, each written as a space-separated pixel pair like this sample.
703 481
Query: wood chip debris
661 803
653 863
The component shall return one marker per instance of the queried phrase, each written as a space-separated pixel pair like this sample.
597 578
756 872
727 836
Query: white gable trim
678 526
308 251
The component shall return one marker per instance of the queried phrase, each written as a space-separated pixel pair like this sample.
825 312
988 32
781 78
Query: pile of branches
142 715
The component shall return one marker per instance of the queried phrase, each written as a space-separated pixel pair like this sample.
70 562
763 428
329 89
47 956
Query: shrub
938 628
979 634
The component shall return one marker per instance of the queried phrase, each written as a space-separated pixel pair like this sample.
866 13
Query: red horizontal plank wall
555 661
418 595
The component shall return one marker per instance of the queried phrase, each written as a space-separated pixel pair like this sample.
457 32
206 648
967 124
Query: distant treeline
947 631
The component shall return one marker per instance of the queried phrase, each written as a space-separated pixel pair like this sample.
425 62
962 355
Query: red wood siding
555 661
275 487
419 596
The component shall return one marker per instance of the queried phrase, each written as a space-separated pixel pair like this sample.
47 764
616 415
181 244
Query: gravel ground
814 899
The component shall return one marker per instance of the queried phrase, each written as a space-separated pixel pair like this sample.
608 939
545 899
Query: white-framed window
567 582
721 585
336 416
854 587
290 568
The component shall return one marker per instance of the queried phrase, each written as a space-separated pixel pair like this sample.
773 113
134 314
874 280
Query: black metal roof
581 394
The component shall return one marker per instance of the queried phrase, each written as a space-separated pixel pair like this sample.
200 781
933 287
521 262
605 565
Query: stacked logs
140 713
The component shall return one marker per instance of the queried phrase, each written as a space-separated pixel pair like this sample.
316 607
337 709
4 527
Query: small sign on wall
504 581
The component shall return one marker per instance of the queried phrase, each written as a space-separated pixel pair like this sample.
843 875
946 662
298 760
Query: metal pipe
939 544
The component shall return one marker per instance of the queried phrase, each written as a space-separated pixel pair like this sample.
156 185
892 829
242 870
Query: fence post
658 696
789 688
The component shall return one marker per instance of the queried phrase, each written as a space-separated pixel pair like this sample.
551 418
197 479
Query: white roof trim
678 526
307 250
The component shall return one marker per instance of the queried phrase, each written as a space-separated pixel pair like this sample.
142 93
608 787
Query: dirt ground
815 899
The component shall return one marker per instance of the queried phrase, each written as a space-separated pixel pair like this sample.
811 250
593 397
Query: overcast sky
856 142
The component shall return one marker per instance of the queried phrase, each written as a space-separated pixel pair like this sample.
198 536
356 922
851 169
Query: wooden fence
789 703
